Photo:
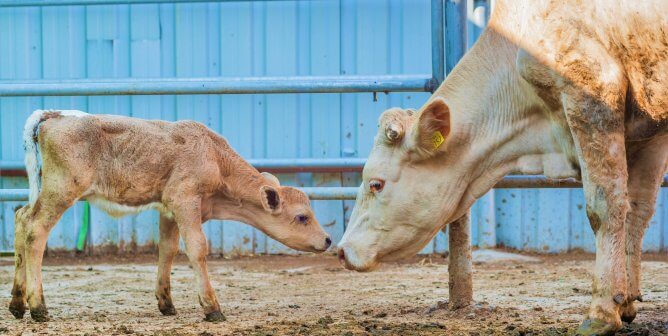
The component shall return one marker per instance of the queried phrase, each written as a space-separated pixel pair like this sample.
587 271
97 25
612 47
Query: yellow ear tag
437 139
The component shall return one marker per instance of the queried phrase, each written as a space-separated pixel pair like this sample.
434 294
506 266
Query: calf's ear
432 126
271 201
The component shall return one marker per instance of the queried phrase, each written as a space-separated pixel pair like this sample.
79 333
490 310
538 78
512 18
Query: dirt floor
313 295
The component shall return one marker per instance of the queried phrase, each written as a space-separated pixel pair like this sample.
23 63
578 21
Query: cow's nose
342 255
328 242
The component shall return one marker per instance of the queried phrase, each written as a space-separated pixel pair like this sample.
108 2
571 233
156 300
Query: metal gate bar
217 85
349 193
40 3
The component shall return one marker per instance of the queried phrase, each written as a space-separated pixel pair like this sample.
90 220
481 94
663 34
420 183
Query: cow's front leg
646 168
189 220
459 269
598 132
18 304
168 247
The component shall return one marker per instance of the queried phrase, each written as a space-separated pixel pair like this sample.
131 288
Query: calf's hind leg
46 212
646 168
18 304
168 247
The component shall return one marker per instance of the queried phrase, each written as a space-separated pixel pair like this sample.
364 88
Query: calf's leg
189 219
167 249
46 212
646 169
460 266
597 127
18 304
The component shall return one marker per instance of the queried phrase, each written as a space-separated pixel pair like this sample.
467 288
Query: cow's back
632 36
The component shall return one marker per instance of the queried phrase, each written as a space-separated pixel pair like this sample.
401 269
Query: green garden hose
85 224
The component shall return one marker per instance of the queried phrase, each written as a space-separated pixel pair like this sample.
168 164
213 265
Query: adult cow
563 88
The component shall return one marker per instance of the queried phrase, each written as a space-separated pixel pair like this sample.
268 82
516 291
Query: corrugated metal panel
254 39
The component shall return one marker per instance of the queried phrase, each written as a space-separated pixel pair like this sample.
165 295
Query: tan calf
125 165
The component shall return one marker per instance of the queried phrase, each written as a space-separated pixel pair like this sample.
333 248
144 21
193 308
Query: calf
125 165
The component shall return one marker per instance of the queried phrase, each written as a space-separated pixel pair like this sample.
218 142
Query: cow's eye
376 185
303 219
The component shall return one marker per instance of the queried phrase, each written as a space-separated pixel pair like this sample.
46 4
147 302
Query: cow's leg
18 304
167 249
646 168
459 269
46 212
597 126
189 219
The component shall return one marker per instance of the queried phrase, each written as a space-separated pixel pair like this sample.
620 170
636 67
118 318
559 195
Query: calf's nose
328 242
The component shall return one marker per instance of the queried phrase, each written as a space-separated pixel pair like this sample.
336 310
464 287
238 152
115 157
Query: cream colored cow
562 88
125 165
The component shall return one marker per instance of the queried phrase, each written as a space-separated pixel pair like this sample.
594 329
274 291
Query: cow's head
285 214
400 204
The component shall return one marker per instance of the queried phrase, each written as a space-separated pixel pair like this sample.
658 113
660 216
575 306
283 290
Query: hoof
628 312
628 318
18 310
215 317
596 327
167 310
39 314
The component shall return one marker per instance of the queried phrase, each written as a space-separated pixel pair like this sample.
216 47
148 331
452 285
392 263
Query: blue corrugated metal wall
257 39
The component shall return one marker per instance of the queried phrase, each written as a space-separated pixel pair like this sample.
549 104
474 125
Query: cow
561 88
125 165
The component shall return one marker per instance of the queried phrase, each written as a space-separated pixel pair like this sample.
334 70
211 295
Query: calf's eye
303 219
376 185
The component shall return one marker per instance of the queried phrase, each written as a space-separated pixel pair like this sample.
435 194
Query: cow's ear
271 178
271 201
432 126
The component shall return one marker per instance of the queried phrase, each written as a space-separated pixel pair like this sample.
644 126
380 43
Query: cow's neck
497 121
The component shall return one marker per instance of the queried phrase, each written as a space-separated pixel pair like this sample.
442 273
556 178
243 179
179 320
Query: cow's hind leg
646 168
18 304
597 125
167 249
460 265
46 212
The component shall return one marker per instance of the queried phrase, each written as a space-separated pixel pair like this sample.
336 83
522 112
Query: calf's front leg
189 220
168 247
460 284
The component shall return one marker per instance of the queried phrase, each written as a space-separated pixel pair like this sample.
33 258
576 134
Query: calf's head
398 208
285 214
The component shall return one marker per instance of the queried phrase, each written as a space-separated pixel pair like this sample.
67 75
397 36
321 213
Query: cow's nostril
341 255
328 242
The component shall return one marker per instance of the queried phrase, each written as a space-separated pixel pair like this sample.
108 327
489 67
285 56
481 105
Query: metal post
437 43
455 31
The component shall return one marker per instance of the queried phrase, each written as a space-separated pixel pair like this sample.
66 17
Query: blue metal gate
131 57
